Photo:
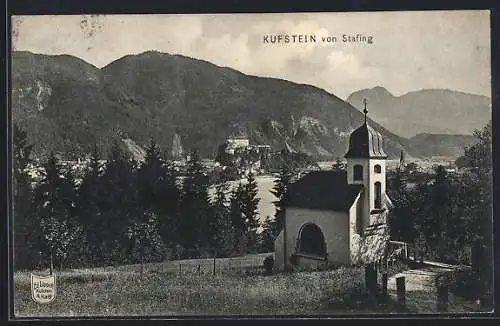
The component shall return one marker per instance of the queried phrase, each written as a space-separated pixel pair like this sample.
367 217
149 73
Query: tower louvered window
358 172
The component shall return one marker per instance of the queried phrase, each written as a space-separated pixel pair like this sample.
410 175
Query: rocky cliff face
38 94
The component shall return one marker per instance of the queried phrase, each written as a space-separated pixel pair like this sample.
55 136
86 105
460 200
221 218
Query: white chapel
335 218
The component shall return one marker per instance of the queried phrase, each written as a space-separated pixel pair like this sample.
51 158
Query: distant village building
260 149
338 217
235 143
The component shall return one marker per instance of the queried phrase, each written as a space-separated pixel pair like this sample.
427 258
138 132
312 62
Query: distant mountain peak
381 90
68 58
375 94
153 53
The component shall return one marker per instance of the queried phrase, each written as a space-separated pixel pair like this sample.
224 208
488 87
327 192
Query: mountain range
67 105
431 111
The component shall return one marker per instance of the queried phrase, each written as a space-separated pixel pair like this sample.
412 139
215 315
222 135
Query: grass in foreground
238 288
160 293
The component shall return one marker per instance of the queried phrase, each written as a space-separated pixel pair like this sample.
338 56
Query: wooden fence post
401 291
367 278
442 298
385 279
214 260
371 278
51 262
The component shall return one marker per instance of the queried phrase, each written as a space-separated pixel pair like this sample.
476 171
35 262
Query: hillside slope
451 146
67 104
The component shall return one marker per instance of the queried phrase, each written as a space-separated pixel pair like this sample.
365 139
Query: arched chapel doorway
311 241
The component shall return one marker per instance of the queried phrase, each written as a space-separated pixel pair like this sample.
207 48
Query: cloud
228 51
340 61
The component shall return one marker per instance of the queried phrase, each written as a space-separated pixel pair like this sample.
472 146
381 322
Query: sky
410 50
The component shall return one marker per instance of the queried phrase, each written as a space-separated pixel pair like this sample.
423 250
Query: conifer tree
169 206
280 192
222 229
272 227
117 197
89 213
151 175
268 234
195 208
249 208
238 218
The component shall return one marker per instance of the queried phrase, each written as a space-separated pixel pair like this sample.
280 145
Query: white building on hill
235 143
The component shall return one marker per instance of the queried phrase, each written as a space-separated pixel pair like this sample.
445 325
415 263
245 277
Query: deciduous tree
147 245
26 228
55 206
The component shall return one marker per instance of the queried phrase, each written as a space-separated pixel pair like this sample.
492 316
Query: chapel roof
325 190
365 142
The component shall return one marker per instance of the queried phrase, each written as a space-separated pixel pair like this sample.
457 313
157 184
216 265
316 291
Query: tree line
125 211
447 217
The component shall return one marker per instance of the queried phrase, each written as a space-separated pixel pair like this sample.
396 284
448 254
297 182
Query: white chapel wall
335 228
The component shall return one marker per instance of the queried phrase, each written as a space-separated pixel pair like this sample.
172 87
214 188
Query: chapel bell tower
366 162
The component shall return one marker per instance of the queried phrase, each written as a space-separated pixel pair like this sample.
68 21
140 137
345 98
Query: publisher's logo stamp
43 288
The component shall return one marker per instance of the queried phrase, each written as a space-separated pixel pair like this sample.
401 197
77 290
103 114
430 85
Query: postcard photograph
278 164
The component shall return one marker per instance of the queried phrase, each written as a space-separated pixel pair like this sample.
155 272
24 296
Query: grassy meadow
189 287
239 286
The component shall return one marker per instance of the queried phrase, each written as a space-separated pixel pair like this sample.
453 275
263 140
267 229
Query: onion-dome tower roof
365 142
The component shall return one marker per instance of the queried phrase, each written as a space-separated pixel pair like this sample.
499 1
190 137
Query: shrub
268 264
463 283
397 267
